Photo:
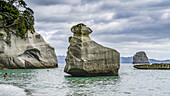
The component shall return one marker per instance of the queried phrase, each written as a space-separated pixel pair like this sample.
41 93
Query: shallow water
54 82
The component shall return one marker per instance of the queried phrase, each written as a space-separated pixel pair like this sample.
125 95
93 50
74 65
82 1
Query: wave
10 90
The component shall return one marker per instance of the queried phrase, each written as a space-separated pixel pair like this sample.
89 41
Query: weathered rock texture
87 58
31 52
140 57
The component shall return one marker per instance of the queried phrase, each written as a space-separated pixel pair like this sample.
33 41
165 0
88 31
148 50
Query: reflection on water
54 82
80 86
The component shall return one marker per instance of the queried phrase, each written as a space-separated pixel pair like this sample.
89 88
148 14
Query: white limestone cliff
30 52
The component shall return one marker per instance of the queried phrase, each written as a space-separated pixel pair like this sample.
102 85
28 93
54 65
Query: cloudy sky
128 26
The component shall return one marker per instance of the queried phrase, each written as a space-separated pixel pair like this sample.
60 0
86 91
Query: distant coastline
61 60
130 59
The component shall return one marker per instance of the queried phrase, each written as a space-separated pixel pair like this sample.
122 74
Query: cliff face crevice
30 52
85 57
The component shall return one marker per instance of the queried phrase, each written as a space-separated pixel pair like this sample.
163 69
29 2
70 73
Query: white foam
10 90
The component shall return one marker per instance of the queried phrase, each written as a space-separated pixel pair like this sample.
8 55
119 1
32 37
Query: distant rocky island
20 46
140 61
85 57
140 58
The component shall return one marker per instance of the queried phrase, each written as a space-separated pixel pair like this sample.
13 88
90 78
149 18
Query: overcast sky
128 26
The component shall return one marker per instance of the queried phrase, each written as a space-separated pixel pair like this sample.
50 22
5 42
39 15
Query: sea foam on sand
10 90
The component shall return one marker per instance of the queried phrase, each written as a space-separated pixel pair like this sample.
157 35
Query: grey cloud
124 14
52 2
122 24
163 3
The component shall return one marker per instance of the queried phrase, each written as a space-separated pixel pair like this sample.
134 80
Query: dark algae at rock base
20 46
154 66
85 57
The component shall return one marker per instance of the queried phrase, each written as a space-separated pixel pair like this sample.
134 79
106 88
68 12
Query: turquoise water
54 82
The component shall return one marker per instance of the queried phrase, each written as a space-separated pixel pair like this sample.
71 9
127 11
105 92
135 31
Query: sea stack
140 61
85 57
140 58
20 46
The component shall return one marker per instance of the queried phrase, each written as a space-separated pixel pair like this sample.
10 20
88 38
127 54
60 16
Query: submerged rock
87 58
153 66
30 52
140 58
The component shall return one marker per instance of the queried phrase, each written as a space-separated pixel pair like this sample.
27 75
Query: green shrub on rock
1 17
13 19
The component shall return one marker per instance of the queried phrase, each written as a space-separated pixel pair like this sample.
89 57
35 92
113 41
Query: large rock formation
30 52
87 58
20 45
140 58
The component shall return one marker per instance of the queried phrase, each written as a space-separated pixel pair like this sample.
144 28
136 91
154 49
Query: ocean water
54 82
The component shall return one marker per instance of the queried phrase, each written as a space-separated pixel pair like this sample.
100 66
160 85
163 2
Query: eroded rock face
87 58
31 52
140 58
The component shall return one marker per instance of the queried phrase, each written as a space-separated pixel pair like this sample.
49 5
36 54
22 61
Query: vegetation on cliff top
16 17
